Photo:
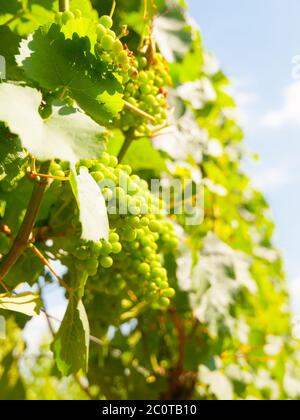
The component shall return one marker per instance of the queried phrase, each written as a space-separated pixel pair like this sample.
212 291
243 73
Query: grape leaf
55 62
71 343
24 303
9 47
92 207
173 34
142 155
67 135
183 137
218 383
12 159
37 13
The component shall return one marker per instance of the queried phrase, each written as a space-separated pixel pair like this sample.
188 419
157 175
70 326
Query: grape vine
173 293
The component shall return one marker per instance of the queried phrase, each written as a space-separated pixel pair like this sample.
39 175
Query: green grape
105 159
113 161
98 176
77 13
168 293
107 42
145 221
129 235
107 194
58 18
144 268
106 262
122 58
163 302
117 47
155 226
143 62
101 32
116 248
113 237
67 16
106 21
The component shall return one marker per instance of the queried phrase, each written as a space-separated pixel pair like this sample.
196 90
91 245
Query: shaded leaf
24 303
55 62
71 344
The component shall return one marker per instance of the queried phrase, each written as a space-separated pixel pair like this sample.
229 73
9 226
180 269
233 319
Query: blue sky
255 42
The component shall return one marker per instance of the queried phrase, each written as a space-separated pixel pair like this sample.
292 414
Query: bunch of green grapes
139 236
89 256
139 267
110 49
62 18
146 90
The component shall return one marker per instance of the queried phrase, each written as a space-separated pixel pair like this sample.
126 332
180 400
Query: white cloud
271 179
289 113
245 100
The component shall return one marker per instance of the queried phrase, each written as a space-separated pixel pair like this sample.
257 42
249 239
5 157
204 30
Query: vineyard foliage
161 304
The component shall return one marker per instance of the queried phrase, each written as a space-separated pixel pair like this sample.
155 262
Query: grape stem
124 148
113 8
34 174
15 17
139 111
5 287
23 237
44 260
64 5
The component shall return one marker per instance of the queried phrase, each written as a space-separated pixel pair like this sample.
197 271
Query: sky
257 43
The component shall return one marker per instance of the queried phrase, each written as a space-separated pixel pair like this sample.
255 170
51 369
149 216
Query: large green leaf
92 207
142 155
71 344
173 33
9 47
25 303
67 135
55 62
12 158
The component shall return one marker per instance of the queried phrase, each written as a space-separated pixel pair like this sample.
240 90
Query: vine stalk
22 239
124 148
64 5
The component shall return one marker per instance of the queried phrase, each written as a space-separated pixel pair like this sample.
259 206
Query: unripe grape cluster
62 18
89 256
109 48
139 266
146 91
132 258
